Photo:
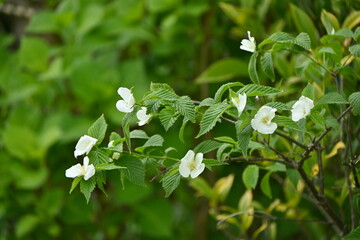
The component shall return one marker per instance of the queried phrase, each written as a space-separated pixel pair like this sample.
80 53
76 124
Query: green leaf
43 22
243 135
354 235
329 21
250 176
252 68
286 122
221 155
223 70
154 141
355 50
156 86
107 166
168 117
182 129
98 156
304 23
185 107
135 170
318 119
354 100
138 134
33 54
258 90
211 116
352 20
303 40
90 17
213 162
74 183
219 93
86 187
309 91
332 98
225 139
279 37
207 102
207 146
267 65
202 187
98 129
265 185
26 224
171 181
278 105
276 167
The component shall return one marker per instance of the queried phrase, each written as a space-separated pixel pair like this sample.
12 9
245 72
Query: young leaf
222 70
219 93
243 135
309 91
250 176
267 65
171 181
107 166
329 21
138 134
98 129
207 146
211 116
354 100
168 117
355 50
135 170
352 20
86 187
252 68
74 183
332 98
286 122
258 90
265 185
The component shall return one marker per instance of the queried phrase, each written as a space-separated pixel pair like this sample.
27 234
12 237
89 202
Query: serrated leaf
154 141
98 156
279 37
207 102
157 86
354 100
74 183
211 116
185 107
86 187
219 93
326 50
309 91
252 68
318 119
221 155
354 235
303 40
138 134
170 182
355 50
135 170
126 128
182 129
168 117
98 129
222 70
265 185
329 21
225 139
332 98
258 90
213 162
207 146
107 166
267 65
250 176
243 135
304 23
286 122
278 105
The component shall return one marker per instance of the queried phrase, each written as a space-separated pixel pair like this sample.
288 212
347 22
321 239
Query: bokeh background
61 63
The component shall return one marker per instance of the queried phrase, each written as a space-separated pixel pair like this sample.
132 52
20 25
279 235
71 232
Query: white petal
184 169
198 171
307 101
189 156
239 102
125 93
74 171
267 128
255 123
111 144
84 145
198 159
85 162
123 106
89 172
142 116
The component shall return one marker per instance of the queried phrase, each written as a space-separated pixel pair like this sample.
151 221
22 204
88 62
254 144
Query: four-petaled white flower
248 45
127 104
262 120
239 102
77 170
142 116
301 108
191 164
84 145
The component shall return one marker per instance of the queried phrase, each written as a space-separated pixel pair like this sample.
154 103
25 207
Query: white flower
111 144
84 145
239 102
126 105
301 108
77 170
191 165
142 116
248 45
262 120
115 155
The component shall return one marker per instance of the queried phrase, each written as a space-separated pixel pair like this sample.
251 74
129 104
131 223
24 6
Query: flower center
192 165
265 120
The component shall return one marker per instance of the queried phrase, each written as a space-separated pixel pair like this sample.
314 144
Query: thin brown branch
258 159
291 139
321 172
275 150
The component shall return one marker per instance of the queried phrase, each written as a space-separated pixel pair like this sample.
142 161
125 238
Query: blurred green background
61 63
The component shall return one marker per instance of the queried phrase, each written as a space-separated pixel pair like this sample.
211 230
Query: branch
321 172
291 140
258 159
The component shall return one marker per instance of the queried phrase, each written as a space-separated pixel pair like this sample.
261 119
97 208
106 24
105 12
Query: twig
160 174
274 150
258 159
228 120
291 139
321 172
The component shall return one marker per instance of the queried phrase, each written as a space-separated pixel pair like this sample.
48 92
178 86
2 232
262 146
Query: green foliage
250 176
332 98
267 65
211 117
98 129
252 68
354 100
355 234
